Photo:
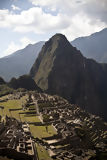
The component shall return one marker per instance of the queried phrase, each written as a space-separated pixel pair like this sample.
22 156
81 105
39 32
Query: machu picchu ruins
77 133
16 140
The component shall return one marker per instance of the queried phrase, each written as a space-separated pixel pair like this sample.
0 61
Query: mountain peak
56 40
29 45
56 45
61 69
56 50
59 38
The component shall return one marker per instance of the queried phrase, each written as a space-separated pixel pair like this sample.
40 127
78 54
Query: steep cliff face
61 69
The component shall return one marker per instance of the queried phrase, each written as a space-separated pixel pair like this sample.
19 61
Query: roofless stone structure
16 141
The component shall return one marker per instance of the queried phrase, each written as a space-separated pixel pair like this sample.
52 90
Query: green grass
4 90
40 131
37 131
42 153
12 104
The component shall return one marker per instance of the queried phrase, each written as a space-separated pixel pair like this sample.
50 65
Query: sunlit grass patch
28 115
12 104
42 153
41 131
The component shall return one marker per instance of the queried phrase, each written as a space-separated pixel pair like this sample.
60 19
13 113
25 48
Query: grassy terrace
31 117
42 153
41 131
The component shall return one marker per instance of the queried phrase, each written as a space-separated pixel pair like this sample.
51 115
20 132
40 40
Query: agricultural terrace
13 108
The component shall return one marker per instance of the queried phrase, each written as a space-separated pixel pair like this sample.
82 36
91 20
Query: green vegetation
42 153
14 108
41 131
25 82
46 118
12 104
2 81
4 90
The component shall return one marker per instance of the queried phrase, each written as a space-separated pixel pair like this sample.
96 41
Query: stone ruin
16 140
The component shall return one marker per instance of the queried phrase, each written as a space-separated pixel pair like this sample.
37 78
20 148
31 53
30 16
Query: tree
46 120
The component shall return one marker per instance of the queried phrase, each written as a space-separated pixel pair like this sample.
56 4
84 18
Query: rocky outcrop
25 82
2 81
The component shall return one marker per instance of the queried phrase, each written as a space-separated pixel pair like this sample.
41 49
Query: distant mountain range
93 46
20 62
61 69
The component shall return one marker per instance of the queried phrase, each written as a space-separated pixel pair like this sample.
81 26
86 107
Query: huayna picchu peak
62 69
57 47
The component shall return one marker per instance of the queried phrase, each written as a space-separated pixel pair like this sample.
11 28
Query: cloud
13 47
81 26
25 41
34 20
15 7
72 17
94 9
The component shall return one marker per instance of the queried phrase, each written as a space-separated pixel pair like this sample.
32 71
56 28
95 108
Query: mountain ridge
20 62
61 69
93 46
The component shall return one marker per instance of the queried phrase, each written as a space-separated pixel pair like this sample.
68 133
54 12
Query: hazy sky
29 21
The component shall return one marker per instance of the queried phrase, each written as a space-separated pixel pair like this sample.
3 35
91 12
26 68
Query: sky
28 21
